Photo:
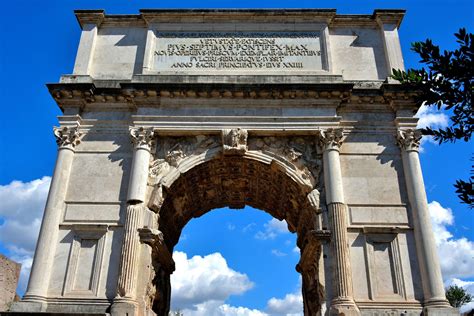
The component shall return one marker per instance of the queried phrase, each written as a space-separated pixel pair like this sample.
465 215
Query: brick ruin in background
9 276
171 113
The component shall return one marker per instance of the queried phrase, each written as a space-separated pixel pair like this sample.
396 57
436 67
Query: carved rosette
330 138
234 141
142 137
67 137
409 139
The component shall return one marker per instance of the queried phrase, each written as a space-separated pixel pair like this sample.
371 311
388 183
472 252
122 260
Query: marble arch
169 113
195 174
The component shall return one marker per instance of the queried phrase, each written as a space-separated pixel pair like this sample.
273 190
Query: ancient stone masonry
9 275
169 114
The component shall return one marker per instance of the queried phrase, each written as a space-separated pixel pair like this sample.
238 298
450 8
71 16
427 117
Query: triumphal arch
172 113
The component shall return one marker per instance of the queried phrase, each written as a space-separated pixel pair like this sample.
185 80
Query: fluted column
409 142
127 281
67 138
330 141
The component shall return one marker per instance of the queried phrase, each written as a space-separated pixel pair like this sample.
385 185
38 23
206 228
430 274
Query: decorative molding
67 136
409 139
142 137
84 233
330 138
234 141
391 241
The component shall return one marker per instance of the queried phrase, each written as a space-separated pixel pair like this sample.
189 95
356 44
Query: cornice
132 95
150 16
77 95
89 17
389 16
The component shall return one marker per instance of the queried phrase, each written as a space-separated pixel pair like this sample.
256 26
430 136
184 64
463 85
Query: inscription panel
238 52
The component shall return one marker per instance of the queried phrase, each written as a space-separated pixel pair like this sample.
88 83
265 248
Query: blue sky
39 42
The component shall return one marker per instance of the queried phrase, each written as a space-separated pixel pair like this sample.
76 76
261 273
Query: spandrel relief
171 151
298 152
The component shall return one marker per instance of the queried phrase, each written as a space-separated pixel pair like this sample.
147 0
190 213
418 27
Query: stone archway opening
270 176
245 260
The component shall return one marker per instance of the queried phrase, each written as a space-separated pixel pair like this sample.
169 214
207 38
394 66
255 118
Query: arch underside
231 182
266 180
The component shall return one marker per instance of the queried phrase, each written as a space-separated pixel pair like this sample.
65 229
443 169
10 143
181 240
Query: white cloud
468 286
248 227
291 304
429 116
201 286
218 308
456 255
273 228
202 279
21 209
278 253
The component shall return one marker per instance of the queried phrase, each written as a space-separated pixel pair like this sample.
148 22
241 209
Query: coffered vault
171 113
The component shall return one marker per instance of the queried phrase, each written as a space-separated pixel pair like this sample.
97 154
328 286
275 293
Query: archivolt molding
294 156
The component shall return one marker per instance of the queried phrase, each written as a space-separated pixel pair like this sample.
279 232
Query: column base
437 302
343 307
123 307
28 307
440 311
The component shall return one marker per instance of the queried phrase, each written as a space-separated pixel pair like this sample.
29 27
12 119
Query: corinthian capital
142 137
67 137
330 138
409 139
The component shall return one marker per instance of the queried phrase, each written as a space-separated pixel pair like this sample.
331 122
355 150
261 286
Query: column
342 303
125 302
67 138
409 142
